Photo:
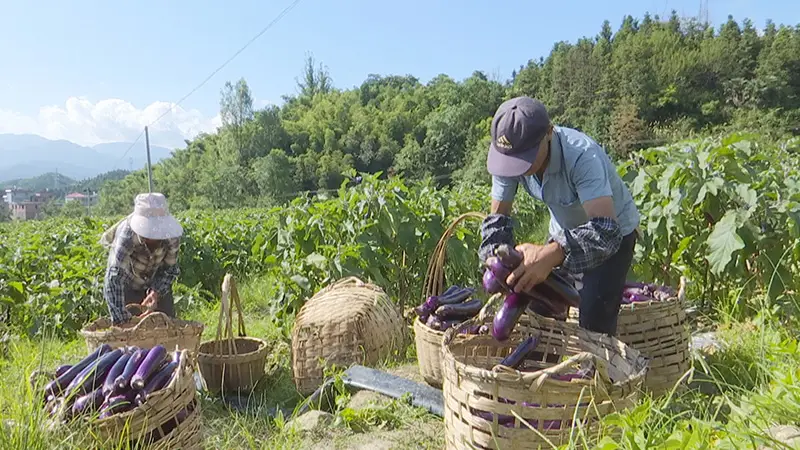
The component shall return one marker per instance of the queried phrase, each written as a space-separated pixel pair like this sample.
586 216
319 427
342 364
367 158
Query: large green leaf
724 241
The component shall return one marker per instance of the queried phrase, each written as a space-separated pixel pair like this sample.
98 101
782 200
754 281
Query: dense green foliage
726 213
52 271
723 212
651 81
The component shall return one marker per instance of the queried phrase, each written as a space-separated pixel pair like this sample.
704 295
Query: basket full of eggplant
434 316
144 394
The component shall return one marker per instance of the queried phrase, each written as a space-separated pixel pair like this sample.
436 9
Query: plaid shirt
133 266
585 247
589 245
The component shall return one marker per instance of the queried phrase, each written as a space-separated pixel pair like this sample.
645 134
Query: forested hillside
649 82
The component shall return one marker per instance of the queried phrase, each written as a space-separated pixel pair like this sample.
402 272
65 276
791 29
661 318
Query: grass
755 381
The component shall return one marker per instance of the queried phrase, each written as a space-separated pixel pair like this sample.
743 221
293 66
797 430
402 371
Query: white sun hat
151 218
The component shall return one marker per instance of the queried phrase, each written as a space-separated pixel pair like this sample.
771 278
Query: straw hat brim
161 227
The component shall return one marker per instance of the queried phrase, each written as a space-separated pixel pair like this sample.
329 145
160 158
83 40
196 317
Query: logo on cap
503 142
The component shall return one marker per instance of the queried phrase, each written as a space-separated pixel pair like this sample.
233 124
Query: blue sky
144 52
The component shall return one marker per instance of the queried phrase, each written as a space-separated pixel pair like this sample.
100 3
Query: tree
73 209
236 109
315 79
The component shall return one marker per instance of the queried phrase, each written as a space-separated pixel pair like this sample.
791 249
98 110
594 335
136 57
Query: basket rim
179 325
638 362
263 346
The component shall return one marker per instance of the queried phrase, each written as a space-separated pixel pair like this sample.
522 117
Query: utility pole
149 168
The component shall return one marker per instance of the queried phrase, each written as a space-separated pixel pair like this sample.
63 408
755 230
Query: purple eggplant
451 289
636 298
56 386
490 283
109 385
635 284
117 404
430 304
499 271
91 376
61 370
518 355
422 312
508 315
157 381
88 403
509 256
460 310
98 374
434 322
124 380
148 366
559 289
455 297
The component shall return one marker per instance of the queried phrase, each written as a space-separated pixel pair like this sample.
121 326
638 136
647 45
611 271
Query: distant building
25 210
86 200
25 204
15 195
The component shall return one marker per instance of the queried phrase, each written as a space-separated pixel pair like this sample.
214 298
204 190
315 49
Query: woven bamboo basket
149 330
480 394
158 416
347 322
227 363
660 330
427 340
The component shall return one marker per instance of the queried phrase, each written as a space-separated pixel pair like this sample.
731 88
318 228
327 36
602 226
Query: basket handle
434 278
151 318
230 297
682 289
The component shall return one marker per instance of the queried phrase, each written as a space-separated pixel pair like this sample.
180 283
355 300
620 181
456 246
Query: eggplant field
724 213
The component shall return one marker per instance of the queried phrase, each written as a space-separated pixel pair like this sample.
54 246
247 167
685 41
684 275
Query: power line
208 78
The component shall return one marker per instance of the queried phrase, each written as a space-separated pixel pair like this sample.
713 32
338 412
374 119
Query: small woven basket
158 416
347 322
427 340
480 394
153 328
228 363
660 330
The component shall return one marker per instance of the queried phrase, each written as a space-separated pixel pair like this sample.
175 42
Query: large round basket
169 419
156 328
660 330
428 341
231 364
347 322
491 406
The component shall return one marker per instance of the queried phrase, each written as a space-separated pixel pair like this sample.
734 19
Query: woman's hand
537 263
151 301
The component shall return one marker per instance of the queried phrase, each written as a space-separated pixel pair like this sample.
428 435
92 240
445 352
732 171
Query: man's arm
589 245
117 277
168 273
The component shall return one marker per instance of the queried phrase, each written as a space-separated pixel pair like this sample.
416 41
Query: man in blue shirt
593 218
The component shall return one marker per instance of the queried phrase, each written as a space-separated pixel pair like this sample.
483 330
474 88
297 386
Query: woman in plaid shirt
143 259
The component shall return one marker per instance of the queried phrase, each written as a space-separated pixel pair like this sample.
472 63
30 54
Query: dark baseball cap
518 127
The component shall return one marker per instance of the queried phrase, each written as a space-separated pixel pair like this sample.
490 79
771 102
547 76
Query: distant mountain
50 180
28 156
63 185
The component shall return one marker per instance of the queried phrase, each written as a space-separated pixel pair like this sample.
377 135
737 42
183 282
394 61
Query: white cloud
111 120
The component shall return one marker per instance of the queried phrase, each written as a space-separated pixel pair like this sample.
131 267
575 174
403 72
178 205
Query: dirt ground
424 433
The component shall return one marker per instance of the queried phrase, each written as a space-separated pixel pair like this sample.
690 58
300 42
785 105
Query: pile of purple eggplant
551 298
454 306
637 292
108 382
